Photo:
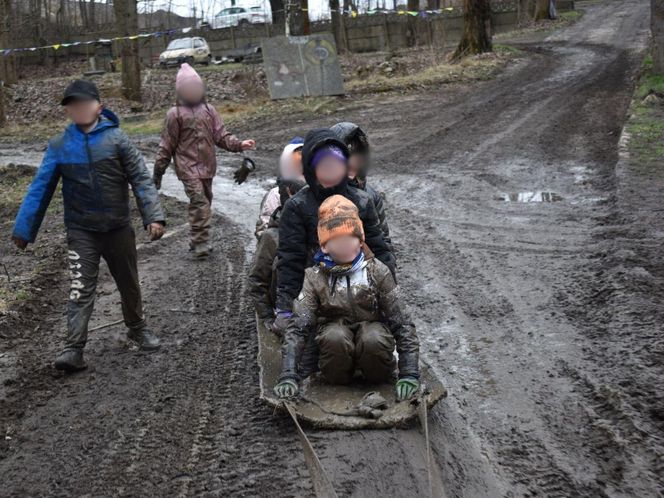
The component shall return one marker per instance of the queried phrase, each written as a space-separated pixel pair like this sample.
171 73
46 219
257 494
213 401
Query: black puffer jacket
298 236
357 141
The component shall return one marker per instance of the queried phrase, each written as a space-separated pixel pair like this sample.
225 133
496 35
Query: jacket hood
357 142
347 132
314 140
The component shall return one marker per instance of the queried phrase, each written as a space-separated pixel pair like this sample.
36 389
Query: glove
241 174
280 323
286 388
156 178
406 387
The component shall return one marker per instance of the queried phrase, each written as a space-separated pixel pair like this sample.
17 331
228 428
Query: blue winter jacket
96 170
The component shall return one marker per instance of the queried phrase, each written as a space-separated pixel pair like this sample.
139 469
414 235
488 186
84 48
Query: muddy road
529 255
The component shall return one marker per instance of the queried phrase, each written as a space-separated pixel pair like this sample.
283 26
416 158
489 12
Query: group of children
323 277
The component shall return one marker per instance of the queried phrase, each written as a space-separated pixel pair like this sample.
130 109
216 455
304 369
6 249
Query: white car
189 50
239 16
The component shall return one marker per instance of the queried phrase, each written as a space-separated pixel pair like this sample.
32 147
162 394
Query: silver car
190 50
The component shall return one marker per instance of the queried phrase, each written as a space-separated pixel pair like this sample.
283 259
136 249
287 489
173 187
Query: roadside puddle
537 196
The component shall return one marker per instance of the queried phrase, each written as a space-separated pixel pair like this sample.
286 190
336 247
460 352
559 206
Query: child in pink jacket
193 128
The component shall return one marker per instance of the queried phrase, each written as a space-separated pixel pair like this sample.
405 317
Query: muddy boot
202 251
144 337
70 360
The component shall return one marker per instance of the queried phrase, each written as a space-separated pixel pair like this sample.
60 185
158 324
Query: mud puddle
528 197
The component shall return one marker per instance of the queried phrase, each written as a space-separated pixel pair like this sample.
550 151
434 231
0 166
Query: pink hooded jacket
190 135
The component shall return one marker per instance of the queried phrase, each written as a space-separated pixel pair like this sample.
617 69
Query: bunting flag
56 46
158 34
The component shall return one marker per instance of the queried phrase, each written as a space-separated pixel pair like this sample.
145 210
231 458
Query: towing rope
322 484
435 490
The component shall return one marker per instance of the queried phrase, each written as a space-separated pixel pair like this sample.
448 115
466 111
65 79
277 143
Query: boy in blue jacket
97 163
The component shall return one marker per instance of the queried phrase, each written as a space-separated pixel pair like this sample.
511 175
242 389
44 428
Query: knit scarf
329 266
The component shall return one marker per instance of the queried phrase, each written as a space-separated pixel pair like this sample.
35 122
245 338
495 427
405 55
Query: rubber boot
145 339
70 360
202 251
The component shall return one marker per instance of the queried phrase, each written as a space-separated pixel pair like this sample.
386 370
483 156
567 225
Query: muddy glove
406 387
280 323
286 388
156 178
241 174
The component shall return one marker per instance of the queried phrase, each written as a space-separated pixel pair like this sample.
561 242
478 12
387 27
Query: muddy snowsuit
262 275
357 321
298 238
96 169
189 137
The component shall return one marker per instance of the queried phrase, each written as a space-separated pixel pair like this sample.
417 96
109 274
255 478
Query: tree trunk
433 4
476 37
3 113
657 29
278 14
337 26
7 63
297 18
126 19
413 5
541 10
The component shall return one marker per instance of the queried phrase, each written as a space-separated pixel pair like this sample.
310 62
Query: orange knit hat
338 216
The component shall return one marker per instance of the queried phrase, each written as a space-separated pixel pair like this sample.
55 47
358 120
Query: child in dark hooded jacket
358 168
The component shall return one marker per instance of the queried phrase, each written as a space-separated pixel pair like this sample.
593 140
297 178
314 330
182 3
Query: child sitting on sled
359 163
193 128
262 275
290 169
350 301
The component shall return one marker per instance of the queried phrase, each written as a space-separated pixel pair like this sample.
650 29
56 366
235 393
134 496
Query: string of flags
56 46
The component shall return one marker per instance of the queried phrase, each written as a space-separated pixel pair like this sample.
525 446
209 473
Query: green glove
286 388
406 387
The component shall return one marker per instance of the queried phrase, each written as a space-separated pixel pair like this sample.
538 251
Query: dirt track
542 318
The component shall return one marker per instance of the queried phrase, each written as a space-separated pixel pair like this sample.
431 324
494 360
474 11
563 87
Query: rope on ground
322 484
435 489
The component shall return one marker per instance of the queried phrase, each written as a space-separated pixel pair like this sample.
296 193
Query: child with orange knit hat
349 300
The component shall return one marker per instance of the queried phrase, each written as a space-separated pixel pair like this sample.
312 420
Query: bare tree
7 62
297 18
657 29
337 26
126 19
541 10
476 37
278 14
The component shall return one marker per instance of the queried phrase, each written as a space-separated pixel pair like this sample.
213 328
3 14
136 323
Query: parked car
239 16
190 50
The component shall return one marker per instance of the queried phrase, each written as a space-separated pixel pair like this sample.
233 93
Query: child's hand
19 242
406 387
155 231
286 388
248 144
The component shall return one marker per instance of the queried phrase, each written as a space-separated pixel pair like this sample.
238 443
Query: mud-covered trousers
86 248
367 346
199 192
